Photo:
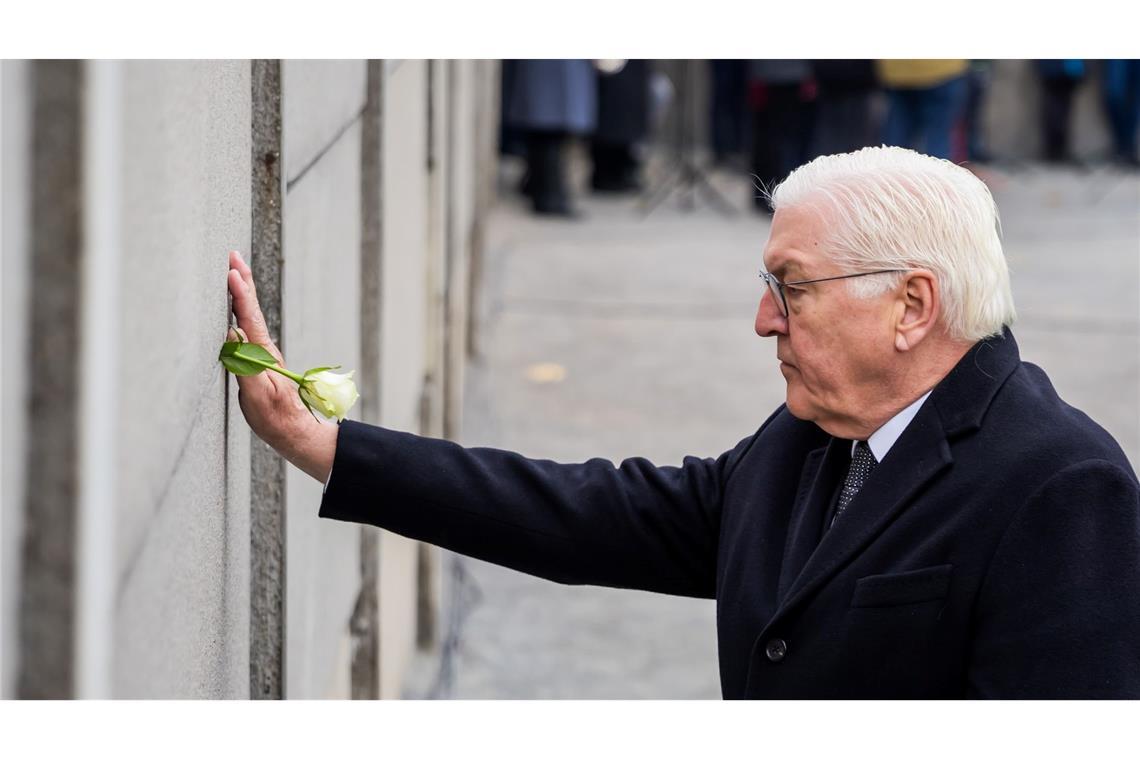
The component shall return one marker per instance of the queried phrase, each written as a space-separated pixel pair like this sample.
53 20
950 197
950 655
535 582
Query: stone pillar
365 623
47 607
267 477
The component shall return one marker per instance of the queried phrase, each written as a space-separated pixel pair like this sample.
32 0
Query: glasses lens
774 290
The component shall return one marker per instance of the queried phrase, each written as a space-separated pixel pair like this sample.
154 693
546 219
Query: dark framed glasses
777 288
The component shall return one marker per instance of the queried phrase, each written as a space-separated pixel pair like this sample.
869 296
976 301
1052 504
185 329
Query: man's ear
917 309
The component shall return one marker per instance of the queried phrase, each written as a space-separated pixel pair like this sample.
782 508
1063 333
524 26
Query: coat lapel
887 492
921 453
817 482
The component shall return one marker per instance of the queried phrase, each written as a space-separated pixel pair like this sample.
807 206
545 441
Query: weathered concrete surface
319 99
182 534
404 333
267 467
652 321
16 149
365 624
48 581
321 325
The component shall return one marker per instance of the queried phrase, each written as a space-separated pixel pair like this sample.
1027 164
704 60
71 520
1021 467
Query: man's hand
269 401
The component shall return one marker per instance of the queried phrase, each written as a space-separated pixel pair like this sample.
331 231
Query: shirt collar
883 438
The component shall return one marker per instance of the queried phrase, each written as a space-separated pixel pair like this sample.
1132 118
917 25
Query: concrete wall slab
186 202
178 632
405 285
319 99
320 326
14 152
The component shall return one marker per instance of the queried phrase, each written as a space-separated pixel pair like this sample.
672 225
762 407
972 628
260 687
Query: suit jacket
994 552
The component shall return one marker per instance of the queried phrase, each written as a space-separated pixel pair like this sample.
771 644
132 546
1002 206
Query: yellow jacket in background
919 72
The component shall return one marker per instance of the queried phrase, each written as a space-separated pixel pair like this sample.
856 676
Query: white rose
330 393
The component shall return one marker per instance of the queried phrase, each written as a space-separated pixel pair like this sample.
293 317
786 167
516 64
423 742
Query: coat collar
957 405
964 395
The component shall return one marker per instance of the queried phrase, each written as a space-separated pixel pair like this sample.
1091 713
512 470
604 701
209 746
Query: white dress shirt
883 438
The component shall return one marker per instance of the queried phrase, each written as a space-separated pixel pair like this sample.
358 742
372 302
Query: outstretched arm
634 525
630 525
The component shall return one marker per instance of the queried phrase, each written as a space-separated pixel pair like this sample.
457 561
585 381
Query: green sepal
245 359
307 405
315 370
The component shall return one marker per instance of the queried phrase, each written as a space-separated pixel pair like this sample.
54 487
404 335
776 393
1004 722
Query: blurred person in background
512 141
549 102
925 98
728 113
780 94
1121 86
843 118
623 125
973 135
1059 80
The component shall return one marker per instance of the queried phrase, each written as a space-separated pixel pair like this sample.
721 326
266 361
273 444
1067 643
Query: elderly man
925 517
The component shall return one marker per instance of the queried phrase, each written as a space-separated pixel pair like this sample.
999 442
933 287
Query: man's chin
796 411
797 405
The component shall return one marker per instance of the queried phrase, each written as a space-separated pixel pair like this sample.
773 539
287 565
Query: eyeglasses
777 287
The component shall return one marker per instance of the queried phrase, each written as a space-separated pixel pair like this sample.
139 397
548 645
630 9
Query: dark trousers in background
512 141
729 114
779 126
623 125
546 182
923 118
1056 107
843 122
616 167
974 135
1122 101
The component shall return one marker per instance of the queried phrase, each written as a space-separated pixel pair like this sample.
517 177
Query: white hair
893 208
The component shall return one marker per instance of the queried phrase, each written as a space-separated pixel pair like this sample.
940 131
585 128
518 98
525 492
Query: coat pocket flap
902 588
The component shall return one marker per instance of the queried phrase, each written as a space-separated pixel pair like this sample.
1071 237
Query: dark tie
862 464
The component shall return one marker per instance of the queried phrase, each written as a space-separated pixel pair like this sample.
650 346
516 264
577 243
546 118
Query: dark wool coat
623 105
994 552
553 95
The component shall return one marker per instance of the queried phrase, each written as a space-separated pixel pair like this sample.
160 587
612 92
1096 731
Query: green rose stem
298 379
331 393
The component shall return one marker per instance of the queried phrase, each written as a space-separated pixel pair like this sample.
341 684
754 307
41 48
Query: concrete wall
161 178
321 103
405 289
181 537
14 131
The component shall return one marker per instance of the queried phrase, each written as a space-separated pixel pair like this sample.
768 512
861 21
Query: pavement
622 334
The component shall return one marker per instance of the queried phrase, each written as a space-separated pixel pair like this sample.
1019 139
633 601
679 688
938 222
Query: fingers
238 263
249 317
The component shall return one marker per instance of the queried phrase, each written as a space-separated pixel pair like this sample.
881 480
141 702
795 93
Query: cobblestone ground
619 335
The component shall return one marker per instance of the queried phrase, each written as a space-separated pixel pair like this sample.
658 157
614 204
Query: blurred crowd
768 116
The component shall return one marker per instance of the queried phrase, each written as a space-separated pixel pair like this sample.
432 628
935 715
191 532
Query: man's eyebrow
784 266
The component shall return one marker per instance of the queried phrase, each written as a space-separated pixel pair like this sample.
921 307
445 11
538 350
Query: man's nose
769 320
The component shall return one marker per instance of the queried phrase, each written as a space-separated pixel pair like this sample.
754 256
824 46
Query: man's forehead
784 260
794 243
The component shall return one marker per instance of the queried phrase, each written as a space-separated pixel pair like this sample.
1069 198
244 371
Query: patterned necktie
863 462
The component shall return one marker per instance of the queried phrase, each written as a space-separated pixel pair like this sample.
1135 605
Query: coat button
776 650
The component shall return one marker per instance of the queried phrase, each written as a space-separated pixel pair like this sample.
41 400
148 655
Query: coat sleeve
633 525
1058 614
